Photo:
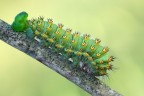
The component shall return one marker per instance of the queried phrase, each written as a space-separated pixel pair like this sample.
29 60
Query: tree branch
54 61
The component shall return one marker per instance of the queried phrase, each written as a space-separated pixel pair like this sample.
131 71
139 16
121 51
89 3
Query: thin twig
54 61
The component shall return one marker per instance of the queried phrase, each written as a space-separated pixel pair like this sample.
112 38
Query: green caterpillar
84 52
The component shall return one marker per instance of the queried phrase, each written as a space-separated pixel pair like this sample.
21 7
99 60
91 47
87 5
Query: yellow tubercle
101 67
44 36
83 43
50 21
93 63
37 33
58 46
76 34
51 40
90 58
100 62
57 32
108 66
73 41
68 30
102 73
68 51
97 41
49 28
92 48
60 26
64 36
98 54
105 49
111 58
39 23
86 36
86 54
78 53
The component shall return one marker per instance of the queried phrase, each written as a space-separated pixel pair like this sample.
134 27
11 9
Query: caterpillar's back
85 53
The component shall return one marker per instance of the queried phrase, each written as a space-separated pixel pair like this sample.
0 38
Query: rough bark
54 61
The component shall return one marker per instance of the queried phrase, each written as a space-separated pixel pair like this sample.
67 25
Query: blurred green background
118 23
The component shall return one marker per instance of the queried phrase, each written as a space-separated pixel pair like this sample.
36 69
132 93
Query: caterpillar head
20 22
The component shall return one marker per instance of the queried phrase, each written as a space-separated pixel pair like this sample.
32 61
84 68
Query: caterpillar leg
29 33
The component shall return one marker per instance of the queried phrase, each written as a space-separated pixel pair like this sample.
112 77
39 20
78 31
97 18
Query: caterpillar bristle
76 34
41 18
